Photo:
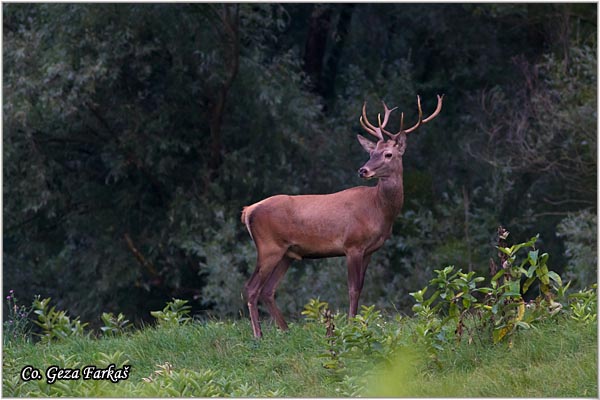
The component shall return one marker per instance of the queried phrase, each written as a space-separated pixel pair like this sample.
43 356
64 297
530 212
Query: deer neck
390 194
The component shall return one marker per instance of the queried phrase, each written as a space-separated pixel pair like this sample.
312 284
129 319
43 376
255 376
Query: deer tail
246 211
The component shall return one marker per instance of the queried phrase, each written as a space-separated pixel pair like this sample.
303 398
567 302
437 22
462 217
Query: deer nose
362 172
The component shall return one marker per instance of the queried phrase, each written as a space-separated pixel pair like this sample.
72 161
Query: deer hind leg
357 268
267 295
265 266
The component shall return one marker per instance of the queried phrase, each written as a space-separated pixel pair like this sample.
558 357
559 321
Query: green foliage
505 299
315 310
448 232
184 383
222 286
114 325
351 343
584 305
443 314
56 325
458 303
175 313
360 339
118 358
552 166
579 231
454 288
166 381
13 383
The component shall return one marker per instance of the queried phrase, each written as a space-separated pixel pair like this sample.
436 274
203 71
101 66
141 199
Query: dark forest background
133 134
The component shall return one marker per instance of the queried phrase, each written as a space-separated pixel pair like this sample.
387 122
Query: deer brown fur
353 223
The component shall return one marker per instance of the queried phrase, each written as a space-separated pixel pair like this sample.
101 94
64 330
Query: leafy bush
355 342
175 313
458 302
114 325
316 311
584 305
506 295
56 325
443 314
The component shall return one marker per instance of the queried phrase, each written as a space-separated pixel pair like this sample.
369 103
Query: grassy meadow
557 358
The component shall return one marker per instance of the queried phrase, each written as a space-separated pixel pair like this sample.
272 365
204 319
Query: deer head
386 156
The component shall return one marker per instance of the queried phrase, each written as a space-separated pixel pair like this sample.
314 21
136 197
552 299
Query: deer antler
372 129
386 117
420 122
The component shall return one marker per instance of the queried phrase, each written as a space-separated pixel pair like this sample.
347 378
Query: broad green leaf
542 274
515 286
531 270
531 241
498 275
555 277
505 250
533 257
430 300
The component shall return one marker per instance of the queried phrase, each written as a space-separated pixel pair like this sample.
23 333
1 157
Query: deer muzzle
365 173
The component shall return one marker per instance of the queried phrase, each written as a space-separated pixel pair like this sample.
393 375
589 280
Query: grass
555 359
551 360
278 364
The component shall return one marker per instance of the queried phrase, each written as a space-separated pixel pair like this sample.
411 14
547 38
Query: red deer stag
353 223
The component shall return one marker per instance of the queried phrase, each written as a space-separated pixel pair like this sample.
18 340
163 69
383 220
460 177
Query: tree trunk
331 66
316 43
229 16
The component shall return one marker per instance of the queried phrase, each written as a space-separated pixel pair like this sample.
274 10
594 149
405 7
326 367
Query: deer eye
388 155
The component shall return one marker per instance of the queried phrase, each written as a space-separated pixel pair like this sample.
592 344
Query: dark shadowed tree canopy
133 134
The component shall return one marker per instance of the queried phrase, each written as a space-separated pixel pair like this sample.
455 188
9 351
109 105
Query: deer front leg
357 267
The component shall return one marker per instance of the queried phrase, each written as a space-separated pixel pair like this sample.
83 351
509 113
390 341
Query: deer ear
366 144
401 143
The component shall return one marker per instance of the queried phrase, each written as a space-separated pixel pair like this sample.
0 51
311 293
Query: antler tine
375 132
364 121
437 109
388 111
401 122
387 115
418 124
